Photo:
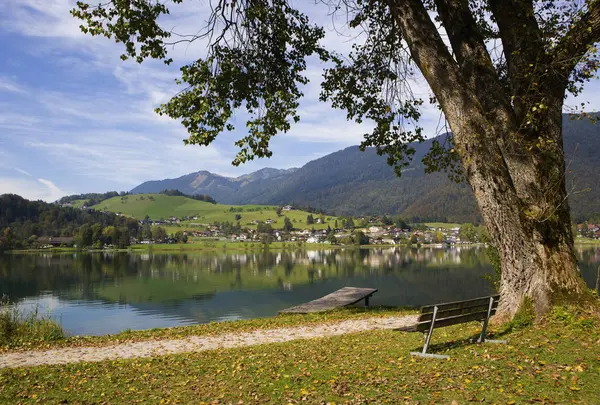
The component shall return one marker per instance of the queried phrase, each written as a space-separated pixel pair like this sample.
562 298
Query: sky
75 118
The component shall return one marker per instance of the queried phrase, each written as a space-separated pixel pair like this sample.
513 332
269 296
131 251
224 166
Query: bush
17 329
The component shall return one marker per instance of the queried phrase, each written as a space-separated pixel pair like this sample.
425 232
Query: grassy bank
26 330
234 246
194 246
214 245
557 361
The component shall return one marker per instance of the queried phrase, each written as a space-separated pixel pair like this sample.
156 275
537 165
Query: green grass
78 203
163 206
442 225
204 244
587 241
556 362
217 245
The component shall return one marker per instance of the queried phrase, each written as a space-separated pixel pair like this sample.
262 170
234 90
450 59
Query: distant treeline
91 198
312 210
199 197
25 224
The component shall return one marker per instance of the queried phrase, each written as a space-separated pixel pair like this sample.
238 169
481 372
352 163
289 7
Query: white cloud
23 172
328 127
63 149
41 18
129 158
53 192
12 120
8 84
40 189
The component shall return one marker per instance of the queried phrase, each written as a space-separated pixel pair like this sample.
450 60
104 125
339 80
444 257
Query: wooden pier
337 299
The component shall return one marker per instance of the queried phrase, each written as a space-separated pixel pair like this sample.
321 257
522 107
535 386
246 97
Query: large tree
498 69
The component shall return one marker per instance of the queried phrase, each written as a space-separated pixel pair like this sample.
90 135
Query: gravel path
197 343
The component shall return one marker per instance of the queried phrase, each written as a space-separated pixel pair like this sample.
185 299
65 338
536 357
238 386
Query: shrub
494 277
17 329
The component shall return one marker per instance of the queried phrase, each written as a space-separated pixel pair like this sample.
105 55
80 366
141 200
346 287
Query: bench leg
367 301
485 324
428 339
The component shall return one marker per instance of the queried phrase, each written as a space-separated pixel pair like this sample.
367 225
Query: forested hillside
351 182
23 221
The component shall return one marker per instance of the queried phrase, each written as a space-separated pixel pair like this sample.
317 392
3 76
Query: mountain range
351 182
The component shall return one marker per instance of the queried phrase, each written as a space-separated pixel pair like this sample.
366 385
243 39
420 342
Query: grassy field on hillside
159 206
555 362
78 203
443 225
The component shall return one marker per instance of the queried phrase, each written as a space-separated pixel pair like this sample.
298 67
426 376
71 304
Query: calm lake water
101 293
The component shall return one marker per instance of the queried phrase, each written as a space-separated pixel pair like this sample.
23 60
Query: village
369 231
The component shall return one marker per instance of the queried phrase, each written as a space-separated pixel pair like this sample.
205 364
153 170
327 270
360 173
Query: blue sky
75 118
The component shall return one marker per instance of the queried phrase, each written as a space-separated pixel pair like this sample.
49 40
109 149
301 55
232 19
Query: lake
100 293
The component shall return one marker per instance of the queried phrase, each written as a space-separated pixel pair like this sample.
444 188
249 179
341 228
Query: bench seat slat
454 320
454 312
459 304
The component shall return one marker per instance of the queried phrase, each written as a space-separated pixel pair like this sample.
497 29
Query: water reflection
108 292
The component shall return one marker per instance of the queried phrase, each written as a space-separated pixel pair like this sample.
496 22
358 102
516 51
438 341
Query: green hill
160 206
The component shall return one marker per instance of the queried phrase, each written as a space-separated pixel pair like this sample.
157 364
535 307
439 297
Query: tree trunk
516 171
526 211
538 262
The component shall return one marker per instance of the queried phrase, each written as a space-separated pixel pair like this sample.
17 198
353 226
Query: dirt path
197 343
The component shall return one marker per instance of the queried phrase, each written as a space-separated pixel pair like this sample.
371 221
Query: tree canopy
258 53
499 70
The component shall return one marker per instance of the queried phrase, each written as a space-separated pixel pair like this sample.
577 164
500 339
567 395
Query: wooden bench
337 299
453 313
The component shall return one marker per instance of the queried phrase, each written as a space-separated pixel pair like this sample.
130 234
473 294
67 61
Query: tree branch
465 38
577 42
522 41
427 48
474 138
475 63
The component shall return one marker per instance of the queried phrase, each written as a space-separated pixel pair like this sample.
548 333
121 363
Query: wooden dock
337 299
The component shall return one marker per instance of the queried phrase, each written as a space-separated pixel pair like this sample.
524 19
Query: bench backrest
453 313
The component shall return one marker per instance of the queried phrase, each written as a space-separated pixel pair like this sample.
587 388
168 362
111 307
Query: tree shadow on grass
440 347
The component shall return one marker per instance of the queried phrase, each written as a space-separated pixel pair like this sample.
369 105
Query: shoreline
215 328
238 247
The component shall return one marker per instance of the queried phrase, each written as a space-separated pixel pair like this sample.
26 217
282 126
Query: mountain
351 182
221 188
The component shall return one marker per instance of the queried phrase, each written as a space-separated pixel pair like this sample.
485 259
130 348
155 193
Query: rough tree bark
519 184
